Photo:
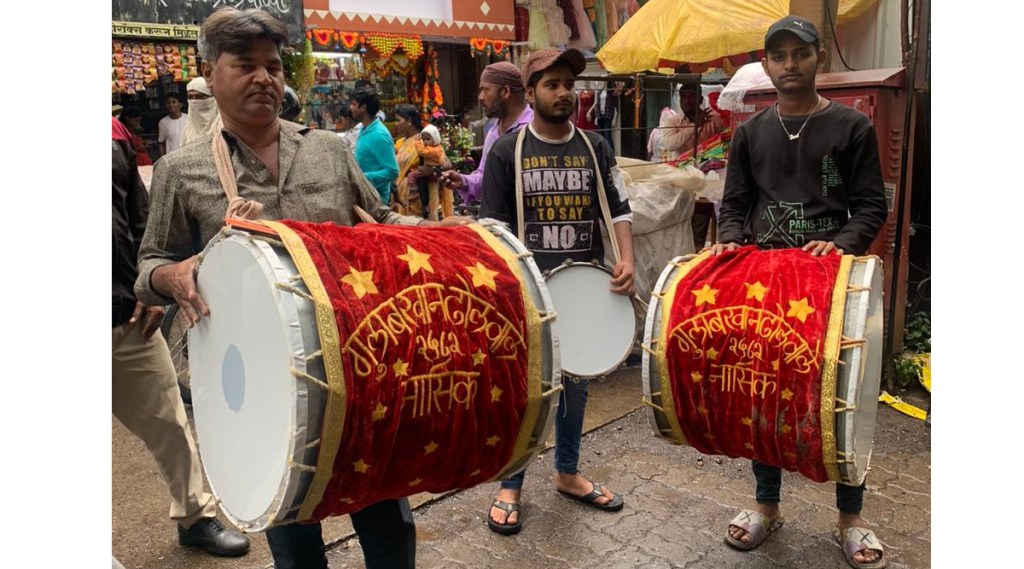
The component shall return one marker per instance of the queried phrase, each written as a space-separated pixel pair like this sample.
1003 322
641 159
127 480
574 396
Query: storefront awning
494 19
668 33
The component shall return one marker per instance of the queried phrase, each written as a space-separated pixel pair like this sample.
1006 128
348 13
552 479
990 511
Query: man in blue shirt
375 149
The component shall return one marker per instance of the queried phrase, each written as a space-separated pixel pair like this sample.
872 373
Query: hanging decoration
337 40
489 47
386 44
385 67
429 96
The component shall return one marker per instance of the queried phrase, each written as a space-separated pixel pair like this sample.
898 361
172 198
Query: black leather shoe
212 537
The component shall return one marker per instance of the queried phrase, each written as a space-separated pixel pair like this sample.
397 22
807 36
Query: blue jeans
572 404
386 532
849 499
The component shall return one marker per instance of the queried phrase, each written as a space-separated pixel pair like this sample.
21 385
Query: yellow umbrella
667 33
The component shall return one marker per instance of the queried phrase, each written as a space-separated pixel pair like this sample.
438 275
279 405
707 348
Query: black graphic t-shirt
825 185
560 203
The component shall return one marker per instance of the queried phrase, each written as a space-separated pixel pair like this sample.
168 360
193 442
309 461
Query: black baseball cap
800 27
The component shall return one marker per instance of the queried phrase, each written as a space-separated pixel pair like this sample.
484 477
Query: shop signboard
181 15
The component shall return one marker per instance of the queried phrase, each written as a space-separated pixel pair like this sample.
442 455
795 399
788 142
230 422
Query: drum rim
650 369
278 508
542 427
854 472
570 264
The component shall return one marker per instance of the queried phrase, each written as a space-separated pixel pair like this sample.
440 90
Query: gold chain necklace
797 135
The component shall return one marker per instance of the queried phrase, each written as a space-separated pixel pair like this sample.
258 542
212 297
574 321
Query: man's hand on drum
822 248
151 318
622 278
719 248
179 282
450 221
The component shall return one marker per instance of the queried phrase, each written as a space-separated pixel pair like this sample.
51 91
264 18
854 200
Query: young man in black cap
816 162
560 171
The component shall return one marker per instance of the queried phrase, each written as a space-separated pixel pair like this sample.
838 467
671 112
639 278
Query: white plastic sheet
662 199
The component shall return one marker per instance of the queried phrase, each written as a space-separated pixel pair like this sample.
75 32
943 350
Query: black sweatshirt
826 185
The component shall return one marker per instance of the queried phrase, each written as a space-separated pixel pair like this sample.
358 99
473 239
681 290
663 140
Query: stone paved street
678 504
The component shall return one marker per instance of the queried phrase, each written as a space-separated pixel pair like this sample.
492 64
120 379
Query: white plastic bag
749 77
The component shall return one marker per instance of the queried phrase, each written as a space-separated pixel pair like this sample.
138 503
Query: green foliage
917 334
908 371
917 339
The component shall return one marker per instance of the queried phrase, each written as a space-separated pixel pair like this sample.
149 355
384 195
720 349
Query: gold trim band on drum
668 297
330 345
534 326
829 368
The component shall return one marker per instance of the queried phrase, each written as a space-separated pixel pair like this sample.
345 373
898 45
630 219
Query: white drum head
858 380
249 410
597 327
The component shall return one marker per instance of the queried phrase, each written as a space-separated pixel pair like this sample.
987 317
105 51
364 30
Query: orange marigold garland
484 46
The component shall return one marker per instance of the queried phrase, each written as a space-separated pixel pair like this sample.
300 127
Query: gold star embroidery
786 429
712 354
747 421
696 376
749 446
702 409
360 281
360 466
787 394
709 436
493 440
416 260
495 394
401 368
790 455
756 290
482 276
380 412
431 447
478 357
346 500
705 295
800 309
415 482
775 365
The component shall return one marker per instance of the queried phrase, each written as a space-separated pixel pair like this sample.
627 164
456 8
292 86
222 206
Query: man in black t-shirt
560 178
802 173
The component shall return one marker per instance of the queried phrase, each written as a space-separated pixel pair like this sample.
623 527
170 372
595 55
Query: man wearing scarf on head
503 99
203 115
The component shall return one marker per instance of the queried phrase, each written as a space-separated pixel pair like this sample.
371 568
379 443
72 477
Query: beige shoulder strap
602 198
237 206
521 223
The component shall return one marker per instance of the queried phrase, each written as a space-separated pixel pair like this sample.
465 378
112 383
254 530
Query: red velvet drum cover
749 340
432 348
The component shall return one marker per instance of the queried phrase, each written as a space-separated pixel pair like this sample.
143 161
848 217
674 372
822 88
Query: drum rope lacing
846 407
651 404
310 379
850 342
289 288
314 355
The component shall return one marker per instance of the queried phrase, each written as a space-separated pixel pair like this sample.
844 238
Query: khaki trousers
146 400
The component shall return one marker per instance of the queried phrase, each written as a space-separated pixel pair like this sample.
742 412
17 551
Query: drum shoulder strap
237 206
601 197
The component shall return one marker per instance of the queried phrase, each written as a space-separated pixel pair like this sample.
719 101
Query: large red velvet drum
343 366
768 355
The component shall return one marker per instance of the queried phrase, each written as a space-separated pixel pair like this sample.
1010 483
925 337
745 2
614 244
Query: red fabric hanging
434 349
744 351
